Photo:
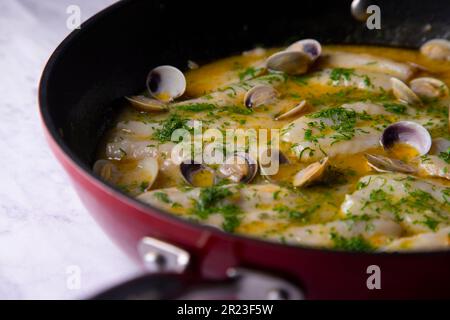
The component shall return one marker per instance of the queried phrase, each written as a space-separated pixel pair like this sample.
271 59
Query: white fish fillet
367 62
364 137
423 242
376 232
370 81
416 204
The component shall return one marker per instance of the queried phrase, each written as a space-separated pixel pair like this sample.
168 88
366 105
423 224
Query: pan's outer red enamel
322 274
68 99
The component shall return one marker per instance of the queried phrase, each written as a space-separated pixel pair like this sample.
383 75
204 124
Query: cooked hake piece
341 147
228 95
349 129
417 205
346 234
367 62
422 242
363 80
435 166
437 162
263 210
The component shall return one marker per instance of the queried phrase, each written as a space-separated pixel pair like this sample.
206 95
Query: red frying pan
110 57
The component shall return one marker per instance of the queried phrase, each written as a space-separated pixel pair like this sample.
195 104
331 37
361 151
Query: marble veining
45 232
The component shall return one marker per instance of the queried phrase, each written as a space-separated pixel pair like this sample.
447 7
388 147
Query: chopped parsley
349 95
430 223
237 110
276 195
358 243
144 185
344 122
445 155
232 217
301 80
367 81
162 196
397 108
209 202
338 74
169 125
361 184
295 214
249 73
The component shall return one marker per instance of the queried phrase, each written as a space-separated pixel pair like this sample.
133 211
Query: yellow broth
395 215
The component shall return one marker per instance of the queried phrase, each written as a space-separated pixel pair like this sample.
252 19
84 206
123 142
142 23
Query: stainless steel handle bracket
245 284
159 256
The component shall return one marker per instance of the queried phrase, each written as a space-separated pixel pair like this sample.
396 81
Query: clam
259 95
385 164
238 168
269 161
407 132
290 62
105 169
359 9
311 173
310 47
147 170
144 103
436 49
429 87
404 93
166 83
302 106
197 174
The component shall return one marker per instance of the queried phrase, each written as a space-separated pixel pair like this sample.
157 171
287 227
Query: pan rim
77 164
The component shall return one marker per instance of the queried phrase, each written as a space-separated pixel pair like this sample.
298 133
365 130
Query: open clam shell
436 49
144 103
298 109
143 175
197 174
239 168
166 83
105 169
311 173
310 47
407 132
429 87
149 169
403 93
260 95
385 164
270 161
290 62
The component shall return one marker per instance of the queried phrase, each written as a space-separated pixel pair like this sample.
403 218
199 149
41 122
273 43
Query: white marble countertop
46 235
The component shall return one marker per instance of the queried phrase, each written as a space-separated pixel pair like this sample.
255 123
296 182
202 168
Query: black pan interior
111 55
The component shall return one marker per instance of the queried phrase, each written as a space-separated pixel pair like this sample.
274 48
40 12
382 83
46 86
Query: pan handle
242 284
168 279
